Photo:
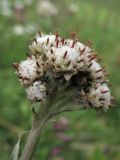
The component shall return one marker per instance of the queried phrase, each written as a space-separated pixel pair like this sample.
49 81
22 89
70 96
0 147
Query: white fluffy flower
73 8
27 70
47 8
99 96
18 30
67 61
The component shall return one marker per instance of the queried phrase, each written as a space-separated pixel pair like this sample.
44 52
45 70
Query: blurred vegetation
93 135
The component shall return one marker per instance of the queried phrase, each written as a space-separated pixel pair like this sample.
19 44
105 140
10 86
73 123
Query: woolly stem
35 134
47 111
33 139
38 124
40 119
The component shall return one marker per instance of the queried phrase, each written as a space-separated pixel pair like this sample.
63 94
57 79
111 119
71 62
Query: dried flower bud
59 61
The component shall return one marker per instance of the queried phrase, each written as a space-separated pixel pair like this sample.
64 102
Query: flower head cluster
64 61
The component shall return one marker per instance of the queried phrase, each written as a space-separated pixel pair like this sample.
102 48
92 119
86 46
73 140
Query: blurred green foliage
94 136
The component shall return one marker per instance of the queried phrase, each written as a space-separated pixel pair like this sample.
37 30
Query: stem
47 111
33 139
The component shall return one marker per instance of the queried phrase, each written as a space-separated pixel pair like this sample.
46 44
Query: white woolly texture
36 92
96 71
27 70
99 96
69 58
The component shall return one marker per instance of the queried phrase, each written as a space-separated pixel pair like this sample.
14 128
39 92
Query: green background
93 135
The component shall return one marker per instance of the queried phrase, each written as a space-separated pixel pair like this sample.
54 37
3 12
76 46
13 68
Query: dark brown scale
25 78
90 104
76 40
35 40
101 99
104 82
79 61
37 64
75 66
73 44
16 66
65 42
51 51
57 43
42 64
68 63
47 41
89 65
92 58
99 70
58 66
36 52
65 54
82 51
51 45
38 72
53 59
104 91
44 58
20 77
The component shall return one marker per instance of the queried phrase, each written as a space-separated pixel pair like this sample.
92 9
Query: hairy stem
47 111
33 139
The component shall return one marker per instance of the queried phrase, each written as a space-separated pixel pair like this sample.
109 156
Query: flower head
59 61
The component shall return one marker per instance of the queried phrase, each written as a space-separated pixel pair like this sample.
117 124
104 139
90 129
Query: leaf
15 151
